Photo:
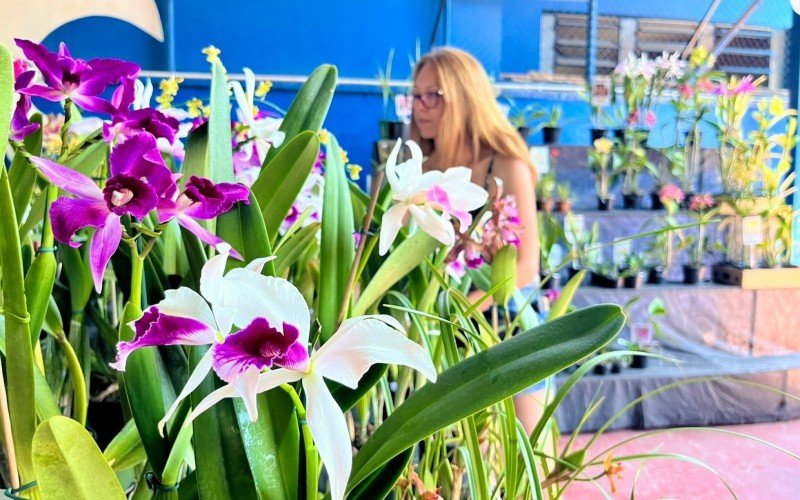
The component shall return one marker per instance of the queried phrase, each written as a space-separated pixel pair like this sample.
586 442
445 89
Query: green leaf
220 155
38 286
68 463
402 260
562 303
346 397
22 174
125 450
310 106
282 179
243 228
487 378
195 161
90 158
504 272
337 248
294 248
19 359
381 482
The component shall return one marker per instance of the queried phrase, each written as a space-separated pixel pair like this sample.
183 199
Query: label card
540 156
403 105
752 233
601 91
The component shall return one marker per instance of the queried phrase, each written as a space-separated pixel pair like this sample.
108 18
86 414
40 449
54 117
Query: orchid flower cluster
138 181
258 330
643 80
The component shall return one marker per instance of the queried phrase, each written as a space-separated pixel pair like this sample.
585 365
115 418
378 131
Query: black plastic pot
691 275
686 200
619 133
631 201
600 369
655 201
598 133
391 129
639 361
616 367
605 205
546 206
524 132
655 275
551 135
603 281
636 281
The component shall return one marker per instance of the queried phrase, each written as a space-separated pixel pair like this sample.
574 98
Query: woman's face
428 102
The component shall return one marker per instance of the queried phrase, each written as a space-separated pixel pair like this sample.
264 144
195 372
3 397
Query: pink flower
706 85
745 86
671 193
650 119
686 91
700 202
552 294
633 118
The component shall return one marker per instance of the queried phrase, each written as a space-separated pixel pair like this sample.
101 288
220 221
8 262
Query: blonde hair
471 115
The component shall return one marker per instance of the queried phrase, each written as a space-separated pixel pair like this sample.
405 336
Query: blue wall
281 37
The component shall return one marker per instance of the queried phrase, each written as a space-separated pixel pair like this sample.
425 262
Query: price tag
574 227
642 334
621 250
601 91
540 156
752 233
403 105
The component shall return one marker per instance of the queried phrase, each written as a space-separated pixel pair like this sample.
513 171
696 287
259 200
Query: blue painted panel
477 27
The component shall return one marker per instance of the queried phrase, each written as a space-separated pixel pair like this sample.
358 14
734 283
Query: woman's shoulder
510 167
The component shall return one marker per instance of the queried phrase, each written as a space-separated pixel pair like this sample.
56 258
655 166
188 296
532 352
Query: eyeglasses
428 99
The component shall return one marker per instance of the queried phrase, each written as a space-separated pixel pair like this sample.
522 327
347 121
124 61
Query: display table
727 339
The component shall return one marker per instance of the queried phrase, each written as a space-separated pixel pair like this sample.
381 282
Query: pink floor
753 470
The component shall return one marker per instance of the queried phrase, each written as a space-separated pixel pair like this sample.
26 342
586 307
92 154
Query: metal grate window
748 53
570 44
654 36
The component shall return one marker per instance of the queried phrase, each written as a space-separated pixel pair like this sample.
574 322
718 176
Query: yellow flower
776 106
344 157
354 170
170 85
323 136
212 53
612 470
603 145
699 57
263 88
194 107
164 101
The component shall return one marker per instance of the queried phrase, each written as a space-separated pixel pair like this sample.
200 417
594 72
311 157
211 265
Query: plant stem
312 476
80 397
11 454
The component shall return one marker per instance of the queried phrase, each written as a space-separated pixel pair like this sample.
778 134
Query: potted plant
520 117
564 203
583 249
655 309
606 276
389 129
702 209
546 191
550 251
604 174
671 160
551 132
632 274
630 161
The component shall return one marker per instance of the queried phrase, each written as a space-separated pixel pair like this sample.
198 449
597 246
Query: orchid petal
204 234
391 162
93 104
329 430
390 225
67 179
186 303
247 385
433 224
195 379
46 61
48 93
105 242
257 265
362 342
69 215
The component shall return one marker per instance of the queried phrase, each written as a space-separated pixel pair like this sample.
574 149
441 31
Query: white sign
601 91
403 104
540 156
642 334
752 234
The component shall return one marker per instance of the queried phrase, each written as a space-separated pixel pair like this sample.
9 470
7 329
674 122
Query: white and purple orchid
76 79
432 199
261 131
271 349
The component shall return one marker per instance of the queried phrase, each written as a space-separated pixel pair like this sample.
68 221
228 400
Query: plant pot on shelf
636 281
616 366
691 274
600 369
391 129
619 133
605 205
655 275
631 201
686 200
639 361
603 281
524 132
598 133
655 201
563 206
551 135
546 205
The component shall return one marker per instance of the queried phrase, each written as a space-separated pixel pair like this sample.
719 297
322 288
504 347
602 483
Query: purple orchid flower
21 127
204 200
147 120
138 179
79 80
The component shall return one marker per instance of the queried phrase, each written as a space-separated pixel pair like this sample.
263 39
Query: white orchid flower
432 198
248 297
263 131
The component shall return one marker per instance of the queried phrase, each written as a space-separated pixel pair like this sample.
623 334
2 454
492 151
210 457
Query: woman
456 121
